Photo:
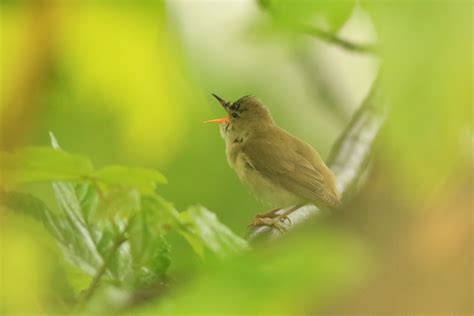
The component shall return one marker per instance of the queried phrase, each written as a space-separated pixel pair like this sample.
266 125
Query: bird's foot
272 220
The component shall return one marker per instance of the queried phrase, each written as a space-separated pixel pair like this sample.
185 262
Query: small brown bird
278 167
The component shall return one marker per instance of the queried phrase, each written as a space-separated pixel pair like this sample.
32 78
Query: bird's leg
284 216
260 218
273 219
270 214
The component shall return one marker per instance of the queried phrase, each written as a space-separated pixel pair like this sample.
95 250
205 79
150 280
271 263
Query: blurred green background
130 82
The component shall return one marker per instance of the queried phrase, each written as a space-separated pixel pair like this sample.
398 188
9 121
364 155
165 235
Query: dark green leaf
150 251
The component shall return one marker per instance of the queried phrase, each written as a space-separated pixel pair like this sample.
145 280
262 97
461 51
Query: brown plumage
278 167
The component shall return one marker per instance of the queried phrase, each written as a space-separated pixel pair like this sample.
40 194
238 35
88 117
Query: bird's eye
235 115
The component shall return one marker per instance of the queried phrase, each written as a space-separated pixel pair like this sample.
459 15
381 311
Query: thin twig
326 36
336 40
348 159
103 268
95 282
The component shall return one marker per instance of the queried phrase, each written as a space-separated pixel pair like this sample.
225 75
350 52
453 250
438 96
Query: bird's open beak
225 105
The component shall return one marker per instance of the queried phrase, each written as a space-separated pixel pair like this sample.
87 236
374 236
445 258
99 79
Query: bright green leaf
143 179
83 245
33 164
29 205
77 279
194 241
88 199
329 14
160 212
119 202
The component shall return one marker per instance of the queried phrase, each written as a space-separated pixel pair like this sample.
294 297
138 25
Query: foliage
295 14
128 84
112 224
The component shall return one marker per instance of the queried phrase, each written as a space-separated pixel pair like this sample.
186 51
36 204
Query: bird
279 168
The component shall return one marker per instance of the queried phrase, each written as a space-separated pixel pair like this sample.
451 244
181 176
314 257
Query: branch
326 36
348 159
119 241
336 40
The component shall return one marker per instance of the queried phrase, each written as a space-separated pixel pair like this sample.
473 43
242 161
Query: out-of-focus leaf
197 225
84 242
29 205
160 212
204 225
77 279
143 179
149 248
296 276
150 254
59 227
329 14
194 241
88 199
42 164
69 203
121 203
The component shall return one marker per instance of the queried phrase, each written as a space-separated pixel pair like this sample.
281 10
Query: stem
103 268
326 36
95 282
336 40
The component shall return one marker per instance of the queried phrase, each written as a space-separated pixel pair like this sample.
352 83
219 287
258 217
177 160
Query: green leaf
42 164
59 225
59 228
76 278
160 212
194 241
83 243
119 203
88 199
290 13
214 235
149 247
29 205
143 179
151 255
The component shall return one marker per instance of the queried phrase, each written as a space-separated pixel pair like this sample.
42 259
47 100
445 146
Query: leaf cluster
112 225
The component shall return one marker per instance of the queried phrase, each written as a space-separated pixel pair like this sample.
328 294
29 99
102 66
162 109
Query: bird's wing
290 170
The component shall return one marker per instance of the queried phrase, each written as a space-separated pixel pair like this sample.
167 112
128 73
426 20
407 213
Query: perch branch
348 159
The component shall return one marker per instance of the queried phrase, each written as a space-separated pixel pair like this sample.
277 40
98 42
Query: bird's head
244 116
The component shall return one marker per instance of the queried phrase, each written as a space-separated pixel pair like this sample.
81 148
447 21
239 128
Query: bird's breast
264 189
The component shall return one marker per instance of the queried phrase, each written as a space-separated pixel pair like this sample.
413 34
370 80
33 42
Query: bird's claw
284 218
277 222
